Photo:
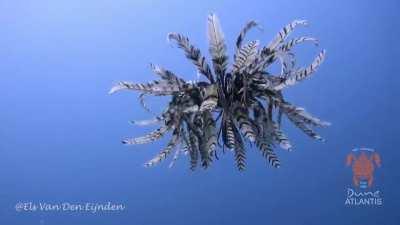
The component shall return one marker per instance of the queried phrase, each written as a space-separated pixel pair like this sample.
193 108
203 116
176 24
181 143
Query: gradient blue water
60 132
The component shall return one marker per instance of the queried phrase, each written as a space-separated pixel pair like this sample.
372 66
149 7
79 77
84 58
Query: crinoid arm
237 107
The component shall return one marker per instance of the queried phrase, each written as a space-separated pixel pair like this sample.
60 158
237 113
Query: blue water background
60 131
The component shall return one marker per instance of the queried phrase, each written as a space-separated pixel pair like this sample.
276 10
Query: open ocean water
60 133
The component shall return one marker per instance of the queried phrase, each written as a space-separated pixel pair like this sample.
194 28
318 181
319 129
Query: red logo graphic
363 162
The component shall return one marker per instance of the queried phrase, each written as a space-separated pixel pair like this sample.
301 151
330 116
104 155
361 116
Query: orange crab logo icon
363 162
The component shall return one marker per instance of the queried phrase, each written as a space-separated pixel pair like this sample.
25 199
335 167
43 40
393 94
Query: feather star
242 103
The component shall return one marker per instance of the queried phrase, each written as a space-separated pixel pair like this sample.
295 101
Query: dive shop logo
363 190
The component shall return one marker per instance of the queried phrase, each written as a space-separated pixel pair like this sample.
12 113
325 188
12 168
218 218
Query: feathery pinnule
303 126
204 155
175 158
284 33
267 151
155 135
280 137
249 25
239 150
245 56
264 139
193 54
166 151
168 76
189 141
302 73
217 47
295 41
210 132
300 114
245 125
208 141
193 150
303 120
268 54
199 125
228 135
156 120
305 73
143 103
154 88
